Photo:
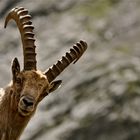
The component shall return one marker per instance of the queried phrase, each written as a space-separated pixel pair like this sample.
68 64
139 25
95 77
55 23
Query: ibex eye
19 80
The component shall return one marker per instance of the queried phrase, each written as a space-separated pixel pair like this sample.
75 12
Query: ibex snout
26 105
27 101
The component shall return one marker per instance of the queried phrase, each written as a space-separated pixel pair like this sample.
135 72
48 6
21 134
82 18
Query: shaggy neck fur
11 122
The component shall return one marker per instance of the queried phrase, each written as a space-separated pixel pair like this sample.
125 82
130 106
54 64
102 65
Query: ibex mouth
23 112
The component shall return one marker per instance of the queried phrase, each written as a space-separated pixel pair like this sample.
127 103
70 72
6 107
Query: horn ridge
23 20
22 12
75 53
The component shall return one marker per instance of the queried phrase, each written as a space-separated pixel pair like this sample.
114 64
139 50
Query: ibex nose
27 101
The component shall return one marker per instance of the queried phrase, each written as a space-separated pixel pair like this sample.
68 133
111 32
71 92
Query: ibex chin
19 100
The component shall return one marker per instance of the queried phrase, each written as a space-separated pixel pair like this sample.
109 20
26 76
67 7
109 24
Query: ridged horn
74 55
23 21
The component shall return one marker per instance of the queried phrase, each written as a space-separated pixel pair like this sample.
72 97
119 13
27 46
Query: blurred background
100 95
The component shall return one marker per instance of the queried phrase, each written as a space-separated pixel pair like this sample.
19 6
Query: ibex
19 100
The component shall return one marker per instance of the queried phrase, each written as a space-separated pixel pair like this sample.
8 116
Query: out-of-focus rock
100 95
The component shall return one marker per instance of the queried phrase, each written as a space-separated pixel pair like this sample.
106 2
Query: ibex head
31 85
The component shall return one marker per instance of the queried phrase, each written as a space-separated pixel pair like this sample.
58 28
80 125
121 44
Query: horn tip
7 20
83 43
8 17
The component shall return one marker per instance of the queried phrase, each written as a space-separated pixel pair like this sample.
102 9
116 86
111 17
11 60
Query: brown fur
11 122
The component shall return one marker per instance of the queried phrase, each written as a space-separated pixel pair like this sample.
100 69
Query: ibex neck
11 122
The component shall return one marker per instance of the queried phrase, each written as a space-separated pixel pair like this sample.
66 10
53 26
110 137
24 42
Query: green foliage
96 8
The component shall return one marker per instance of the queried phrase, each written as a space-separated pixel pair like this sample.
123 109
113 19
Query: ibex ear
54 85
15 68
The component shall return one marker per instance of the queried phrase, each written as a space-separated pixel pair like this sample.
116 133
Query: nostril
27 102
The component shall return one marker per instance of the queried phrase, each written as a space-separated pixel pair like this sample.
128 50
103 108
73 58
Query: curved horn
22 19
74 54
